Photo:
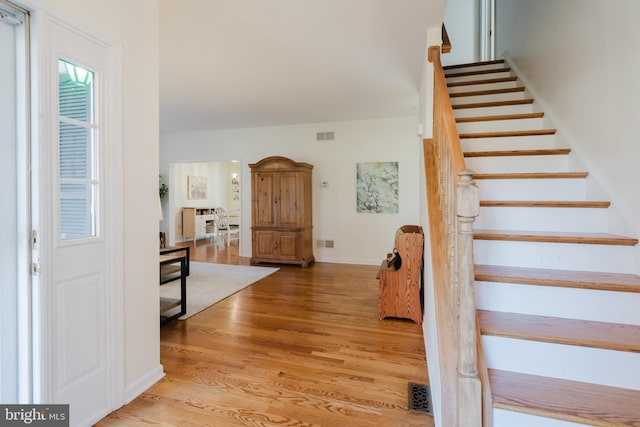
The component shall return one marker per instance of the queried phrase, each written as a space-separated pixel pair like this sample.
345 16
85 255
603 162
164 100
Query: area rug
209 283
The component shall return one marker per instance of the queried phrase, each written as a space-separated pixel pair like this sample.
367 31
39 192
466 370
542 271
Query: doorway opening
203 186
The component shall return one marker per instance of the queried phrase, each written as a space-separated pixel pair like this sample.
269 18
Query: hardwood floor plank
301 347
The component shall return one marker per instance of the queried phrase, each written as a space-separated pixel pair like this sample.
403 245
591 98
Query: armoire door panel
264 215
288 199
264 244
287 246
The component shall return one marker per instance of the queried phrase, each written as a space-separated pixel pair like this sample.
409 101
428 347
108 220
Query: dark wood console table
166 304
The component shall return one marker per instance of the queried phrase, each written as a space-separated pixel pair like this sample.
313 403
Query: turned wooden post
469 386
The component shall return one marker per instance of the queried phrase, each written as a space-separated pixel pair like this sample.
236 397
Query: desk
167 304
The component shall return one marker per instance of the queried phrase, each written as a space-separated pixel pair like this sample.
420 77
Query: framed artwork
377 187
196 187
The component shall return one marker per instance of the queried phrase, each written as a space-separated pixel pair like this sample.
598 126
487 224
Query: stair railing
453 204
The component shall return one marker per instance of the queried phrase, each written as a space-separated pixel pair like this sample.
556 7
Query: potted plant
163 189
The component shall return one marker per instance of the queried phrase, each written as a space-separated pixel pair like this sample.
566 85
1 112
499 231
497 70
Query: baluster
470 389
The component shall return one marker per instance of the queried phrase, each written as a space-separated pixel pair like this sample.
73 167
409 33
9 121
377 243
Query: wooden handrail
453 204
446 43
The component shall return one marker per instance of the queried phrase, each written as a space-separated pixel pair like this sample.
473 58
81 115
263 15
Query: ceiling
227 64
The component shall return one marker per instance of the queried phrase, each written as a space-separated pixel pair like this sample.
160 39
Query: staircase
557 296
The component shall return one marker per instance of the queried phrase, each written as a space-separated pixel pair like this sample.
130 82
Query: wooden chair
400 287
223 228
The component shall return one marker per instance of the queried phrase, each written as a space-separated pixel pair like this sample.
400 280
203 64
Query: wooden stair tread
545 203
555 237
583 333
573 401
487 92
473 64
531 175
493 104
478 72
483 81
500 117
617 282
508 133
503 153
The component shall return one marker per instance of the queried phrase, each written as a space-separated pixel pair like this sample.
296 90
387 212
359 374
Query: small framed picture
196 187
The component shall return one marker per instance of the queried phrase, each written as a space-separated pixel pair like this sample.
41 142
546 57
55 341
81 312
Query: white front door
80 326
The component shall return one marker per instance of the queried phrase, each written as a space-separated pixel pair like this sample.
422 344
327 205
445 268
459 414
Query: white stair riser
584 364
495 97
543 219
565 256
473 77
570 303
501 125
484 86
538 142
476 68
514 164
493 111
505 418
532 189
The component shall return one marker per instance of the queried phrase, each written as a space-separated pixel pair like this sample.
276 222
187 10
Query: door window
78 171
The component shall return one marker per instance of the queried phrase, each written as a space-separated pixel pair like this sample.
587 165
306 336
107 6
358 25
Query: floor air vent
420 399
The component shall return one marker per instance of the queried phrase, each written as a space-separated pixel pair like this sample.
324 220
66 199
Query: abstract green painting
377 187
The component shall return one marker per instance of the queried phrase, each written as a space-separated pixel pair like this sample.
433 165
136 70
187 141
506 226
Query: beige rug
209 283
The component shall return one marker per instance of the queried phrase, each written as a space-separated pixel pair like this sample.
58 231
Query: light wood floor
302 347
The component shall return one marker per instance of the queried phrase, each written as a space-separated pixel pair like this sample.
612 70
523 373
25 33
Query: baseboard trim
141 385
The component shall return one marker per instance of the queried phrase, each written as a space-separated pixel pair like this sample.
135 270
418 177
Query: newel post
469 386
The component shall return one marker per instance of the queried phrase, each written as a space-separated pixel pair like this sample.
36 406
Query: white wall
134 26
358 237
462 20
580 57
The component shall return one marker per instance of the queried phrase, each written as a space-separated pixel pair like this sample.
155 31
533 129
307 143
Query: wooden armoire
281 226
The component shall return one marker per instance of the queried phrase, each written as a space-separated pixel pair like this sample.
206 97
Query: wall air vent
324 243
325 136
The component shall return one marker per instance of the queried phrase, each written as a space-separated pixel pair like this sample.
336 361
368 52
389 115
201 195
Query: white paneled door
81 296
